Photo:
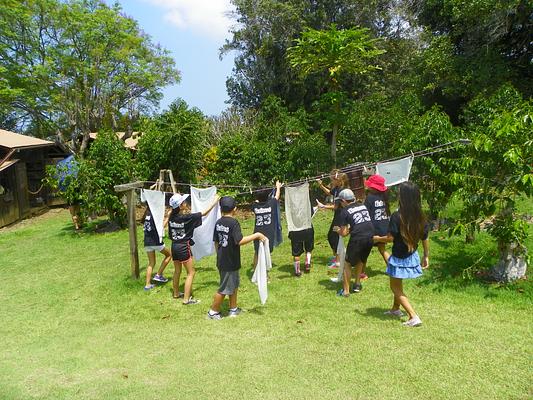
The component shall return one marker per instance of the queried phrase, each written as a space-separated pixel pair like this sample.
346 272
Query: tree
176 139
495 171
334 53
265 29
78 66
474 47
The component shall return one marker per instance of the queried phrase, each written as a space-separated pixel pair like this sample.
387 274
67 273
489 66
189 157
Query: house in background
23 161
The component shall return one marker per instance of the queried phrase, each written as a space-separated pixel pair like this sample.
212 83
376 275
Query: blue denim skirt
404 268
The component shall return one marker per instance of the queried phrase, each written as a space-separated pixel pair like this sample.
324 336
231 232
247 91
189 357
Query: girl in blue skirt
407 227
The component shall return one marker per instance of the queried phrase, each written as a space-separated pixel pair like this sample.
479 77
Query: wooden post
172 181
132 228
129 188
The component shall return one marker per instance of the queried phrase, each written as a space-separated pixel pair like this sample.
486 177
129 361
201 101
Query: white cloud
205 17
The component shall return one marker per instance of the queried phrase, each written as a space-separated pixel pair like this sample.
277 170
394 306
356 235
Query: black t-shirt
151 237
264 218
337 203
227 235
357 216
399 248
378 213
181 226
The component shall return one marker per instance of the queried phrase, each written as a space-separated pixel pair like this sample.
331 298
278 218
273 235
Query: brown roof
12 140
7 164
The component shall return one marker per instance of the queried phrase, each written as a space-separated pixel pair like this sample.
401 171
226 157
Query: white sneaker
395 313
214 316
234 312
413 322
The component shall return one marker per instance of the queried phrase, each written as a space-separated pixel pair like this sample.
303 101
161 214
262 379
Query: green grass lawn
74 325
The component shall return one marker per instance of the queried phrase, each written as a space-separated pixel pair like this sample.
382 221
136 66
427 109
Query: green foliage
276 145
378 127
497 168
77 66
336 54
176 140
337 51
107 164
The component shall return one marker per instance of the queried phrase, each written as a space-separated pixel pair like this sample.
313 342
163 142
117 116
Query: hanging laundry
264 263
298 207
395 172
156 202
341 251
201 199
276 216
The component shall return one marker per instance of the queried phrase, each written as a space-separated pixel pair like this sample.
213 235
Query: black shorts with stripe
181 251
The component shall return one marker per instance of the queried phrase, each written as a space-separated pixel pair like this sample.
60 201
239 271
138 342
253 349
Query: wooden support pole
172 181
132 228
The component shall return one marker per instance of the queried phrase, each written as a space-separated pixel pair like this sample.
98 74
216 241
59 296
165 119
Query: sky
193 31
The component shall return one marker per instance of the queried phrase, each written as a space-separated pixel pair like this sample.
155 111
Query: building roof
130 143
7 164
12 140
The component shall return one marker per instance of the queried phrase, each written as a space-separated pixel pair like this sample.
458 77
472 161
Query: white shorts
154 248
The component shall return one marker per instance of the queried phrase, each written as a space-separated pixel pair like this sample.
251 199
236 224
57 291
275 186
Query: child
339 181
301 241
228 239
263 209
181 224
355 220
152 243
406 228
377 202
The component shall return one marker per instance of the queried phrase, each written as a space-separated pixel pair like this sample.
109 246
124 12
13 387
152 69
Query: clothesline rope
350 168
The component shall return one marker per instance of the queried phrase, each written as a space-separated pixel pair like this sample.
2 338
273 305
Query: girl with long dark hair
407 227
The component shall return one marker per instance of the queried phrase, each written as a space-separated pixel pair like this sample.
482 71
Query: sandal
179 296
191 301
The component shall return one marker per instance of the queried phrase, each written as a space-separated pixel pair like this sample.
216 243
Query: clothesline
348 169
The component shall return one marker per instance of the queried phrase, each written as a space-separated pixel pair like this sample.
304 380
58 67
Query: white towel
201 199
298 207
156 202
264 263
395 172
341 251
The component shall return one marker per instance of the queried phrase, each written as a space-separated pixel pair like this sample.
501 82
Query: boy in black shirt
228 239
264 209
355 220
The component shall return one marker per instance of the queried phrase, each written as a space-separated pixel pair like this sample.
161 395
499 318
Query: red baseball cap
376 182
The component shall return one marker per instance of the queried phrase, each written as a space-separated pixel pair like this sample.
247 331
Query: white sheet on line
341 251
201 199
298 207
395 172
156 202
264 263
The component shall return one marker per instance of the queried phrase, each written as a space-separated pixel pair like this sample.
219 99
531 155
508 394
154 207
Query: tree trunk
512 264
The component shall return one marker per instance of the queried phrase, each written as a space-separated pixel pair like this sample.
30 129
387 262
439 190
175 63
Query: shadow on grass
329 285
376 312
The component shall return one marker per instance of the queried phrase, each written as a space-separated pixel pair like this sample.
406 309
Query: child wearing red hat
377 203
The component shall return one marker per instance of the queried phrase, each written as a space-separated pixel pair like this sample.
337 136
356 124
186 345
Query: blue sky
193 31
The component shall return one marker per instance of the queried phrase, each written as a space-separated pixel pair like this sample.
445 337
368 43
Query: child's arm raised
252 237
278 190
325 189
167 216
208 210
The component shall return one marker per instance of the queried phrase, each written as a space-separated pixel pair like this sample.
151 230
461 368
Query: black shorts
358 250
302 241
181 251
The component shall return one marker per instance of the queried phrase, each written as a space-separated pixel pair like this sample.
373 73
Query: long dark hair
412 219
